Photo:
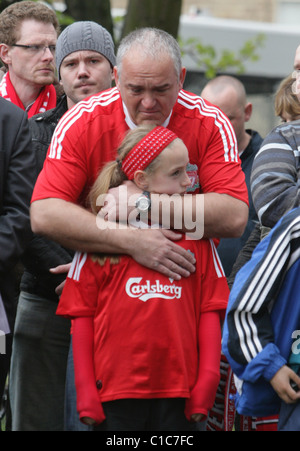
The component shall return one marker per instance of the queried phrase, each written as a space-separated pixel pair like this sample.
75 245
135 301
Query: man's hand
120 202
62 269
156 249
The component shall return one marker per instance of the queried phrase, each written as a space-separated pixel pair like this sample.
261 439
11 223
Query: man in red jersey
149 77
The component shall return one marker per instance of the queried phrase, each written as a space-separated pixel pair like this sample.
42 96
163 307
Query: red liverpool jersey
89 134
145 324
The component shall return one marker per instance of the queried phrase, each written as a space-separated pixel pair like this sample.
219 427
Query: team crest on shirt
144 290
192 171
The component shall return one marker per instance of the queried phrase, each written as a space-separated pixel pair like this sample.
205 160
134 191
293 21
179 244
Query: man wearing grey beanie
85 59
85 55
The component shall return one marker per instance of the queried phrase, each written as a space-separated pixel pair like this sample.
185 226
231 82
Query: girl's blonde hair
112 175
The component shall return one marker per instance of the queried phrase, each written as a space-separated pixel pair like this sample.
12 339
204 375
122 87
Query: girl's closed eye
178 172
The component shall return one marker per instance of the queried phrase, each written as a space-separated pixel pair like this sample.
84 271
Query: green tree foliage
207 59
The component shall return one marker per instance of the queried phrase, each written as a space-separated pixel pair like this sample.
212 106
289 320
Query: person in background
261 331
287 105
28 34
17 167
275 187
229 94
274 179
85 59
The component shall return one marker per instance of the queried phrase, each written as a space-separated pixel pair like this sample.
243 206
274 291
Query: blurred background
254 40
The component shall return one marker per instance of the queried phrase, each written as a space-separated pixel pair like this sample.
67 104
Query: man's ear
115 77
248 111
141 180
112 75
182 77
5 54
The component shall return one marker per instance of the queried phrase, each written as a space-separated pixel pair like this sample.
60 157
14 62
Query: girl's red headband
147 150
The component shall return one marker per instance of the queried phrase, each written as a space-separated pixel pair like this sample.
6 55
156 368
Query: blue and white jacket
262 316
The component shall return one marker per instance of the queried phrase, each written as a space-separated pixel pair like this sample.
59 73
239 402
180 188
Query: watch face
143 203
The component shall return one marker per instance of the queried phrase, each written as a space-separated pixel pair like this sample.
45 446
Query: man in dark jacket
229 94
85 59
16 185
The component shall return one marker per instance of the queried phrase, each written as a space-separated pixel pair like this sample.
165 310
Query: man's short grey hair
154 43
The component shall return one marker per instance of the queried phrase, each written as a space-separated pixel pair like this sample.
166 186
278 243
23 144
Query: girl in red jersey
146 348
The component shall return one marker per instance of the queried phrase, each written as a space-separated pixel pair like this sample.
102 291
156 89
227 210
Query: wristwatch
143 203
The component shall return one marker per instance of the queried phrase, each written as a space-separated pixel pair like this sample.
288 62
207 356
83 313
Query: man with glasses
28 34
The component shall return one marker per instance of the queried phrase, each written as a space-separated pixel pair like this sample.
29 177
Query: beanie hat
84 35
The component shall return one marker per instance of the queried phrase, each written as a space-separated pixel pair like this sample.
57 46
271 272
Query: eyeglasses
37 48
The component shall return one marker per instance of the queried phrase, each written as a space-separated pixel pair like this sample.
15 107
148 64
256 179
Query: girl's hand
197 417
88 421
